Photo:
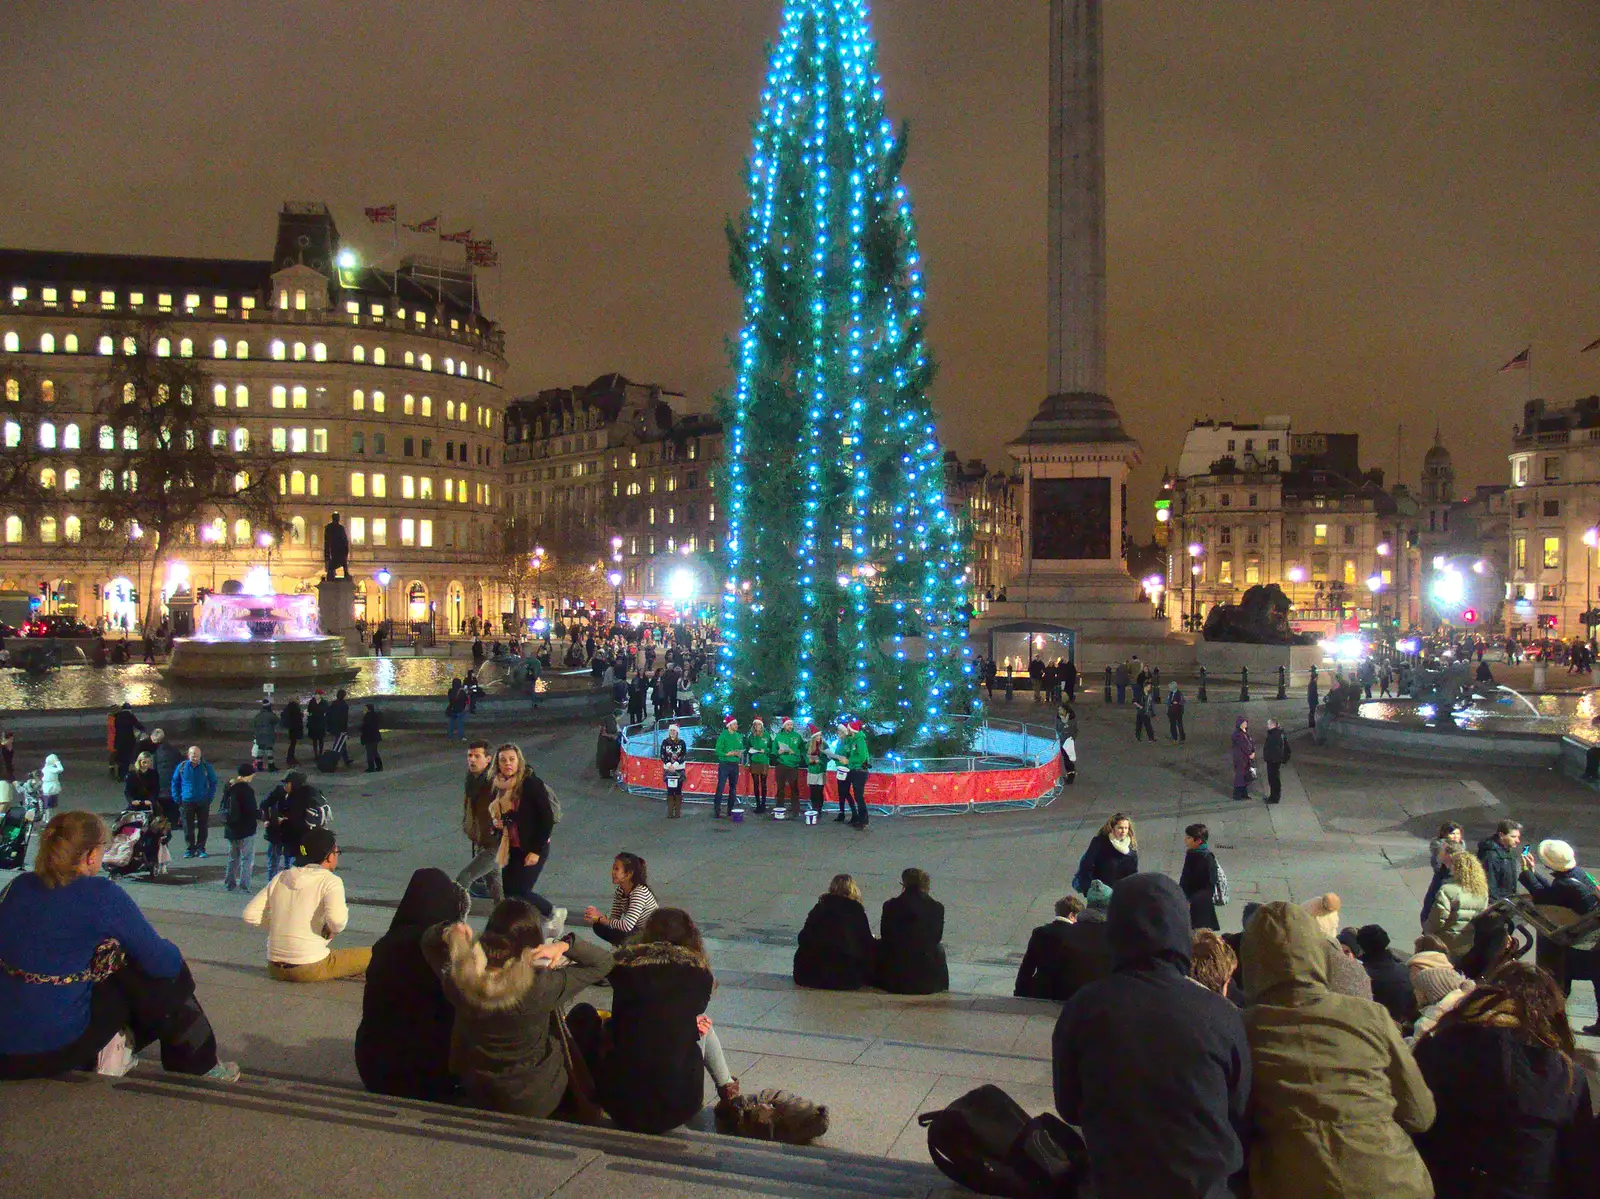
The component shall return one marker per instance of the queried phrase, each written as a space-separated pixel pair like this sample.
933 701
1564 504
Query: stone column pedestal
336 601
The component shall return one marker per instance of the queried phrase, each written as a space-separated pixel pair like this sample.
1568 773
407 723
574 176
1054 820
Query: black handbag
986 1142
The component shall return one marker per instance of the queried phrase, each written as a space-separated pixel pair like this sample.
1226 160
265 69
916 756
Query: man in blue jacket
194 786
1154 1069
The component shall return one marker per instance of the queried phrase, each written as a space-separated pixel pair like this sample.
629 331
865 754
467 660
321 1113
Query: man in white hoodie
303 908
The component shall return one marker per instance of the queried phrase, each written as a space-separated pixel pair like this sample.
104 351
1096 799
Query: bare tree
161 468
30 442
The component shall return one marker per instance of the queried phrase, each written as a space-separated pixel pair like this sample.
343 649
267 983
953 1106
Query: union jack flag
431 225
1519 363
463 237
384 214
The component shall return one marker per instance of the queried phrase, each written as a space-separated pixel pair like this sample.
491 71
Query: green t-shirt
791 747
760 745
730 746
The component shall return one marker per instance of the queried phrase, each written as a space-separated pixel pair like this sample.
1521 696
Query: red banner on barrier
882 790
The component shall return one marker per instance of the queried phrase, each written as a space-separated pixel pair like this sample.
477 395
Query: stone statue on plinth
335 549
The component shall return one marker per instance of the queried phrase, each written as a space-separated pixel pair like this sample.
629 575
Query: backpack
987 1143
555 804
1219 883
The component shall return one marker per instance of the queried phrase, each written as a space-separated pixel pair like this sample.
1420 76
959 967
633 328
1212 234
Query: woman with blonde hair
85 982
521 807
1112 856
837 951
1459 900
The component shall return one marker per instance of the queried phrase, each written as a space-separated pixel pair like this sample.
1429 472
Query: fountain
258 636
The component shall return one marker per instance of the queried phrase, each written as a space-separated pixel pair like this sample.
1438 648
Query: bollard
1244 684
1202 696
1283 683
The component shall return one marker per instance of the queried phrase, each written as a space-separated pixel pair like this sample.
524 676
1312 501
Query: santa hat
727 720
811 729
1324 910
855 725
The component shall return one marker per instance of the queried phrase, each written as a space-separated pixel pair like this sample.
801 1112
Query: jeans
592 1039
1175 725
484 866
854 788
519 881
279 857
1142 725
788 785
196 823
374 762
317 744
455 726
241 860
291 760
1122 693
716 1063
727 775
340 963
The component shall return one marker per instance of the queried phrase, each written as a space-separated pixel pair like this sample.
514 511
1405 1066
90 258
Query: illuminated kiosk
1013 765
258 637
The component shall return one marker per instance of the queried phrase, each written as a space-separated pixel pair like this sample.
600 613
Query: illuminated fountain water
258 636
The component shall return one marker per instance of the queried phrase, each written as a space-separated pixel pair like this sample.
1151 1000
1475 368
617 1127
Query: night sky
1351 213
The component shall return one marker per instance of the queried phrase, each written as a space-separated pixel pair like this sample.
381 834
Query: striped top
629 908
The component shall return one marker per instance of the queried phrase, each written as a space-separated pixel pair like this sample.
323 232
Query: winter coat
264 728
124 724
168 760
1451 916
530 823
650 1079
141 789
1198 884
293 720
476 796
1391 986
403 1040
910 954
1502 866
370 733
1276 748
1103 862
1154 1069
50 775
1337 1095
194 783
1063 956
1244 748
1441 875
1565 889
337 716
836 950
317 719
240 813
500 1043
1514 1117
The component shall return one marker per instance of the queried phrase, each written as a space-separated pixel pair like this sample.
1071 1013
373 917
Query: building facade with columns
984 504
1553 516
377 392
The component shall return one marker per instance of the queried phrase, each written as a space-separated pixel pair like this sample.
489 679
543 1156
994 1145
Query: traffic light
1470 616
97 591
44 586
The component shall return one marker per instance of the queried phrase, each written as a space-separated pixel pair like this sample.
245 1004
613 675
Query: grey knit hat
1433 985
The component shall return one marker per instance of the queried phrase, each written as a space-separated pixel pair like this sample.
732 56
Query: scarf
507 798
1122 846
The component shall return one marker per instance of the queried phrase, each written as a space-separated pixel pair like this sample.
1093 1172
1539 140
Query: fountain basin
199 661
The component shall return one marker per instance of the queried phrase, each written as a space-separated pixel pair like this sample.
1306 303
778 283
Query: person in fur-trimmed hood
504 987
649 1061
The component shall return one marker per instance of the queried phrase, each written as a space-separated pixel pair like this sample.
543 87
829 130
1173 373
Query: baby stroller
138 839
16 825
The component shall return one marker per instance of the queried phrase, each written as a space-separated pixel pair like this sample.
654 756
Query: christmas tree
846 575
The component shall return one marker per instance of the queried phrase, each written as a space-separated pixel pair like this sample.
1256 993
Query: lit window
311 484
241 349
427 361
48 295
358 400
107 346
297 441
220 303
280 397
241 440
108 299
241 532
449 366
380 531
377 401
1552 553
358 484
191 301
1319 535
408 531
47 530
379 358
247 303
130 438
461 491
358 354
299 397
449 490
14 523
410 358
408 487
380 486
297 530
74 528
449 410
19 294
69 343
280 439
300 300
425 488
219 348
425 534
427 405
410 404
186 348
299 351
277 349
129 346
319 352
69 440
358 530
47 435
319 441
108 437
297 482
219 395
241 396
163 348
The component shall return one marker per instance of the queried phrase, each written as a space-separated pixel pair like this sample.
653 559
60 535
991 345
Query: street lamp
1591 537
615 579
383 576
1195 550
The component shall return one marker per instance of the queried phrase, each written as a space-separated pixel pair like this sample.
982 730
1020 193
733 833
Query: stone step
543 1155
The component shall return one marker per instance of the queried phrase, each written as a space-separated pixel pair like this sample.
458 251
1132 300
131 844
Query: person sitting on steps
304 908
631 904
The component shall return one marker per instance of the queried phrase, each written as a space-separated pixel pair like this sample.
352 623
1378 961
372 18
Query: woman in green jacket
759 747
850 753
1335 1096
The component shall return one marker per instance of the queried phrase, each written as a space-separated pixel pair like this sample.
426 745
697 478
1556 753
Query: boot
674 806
